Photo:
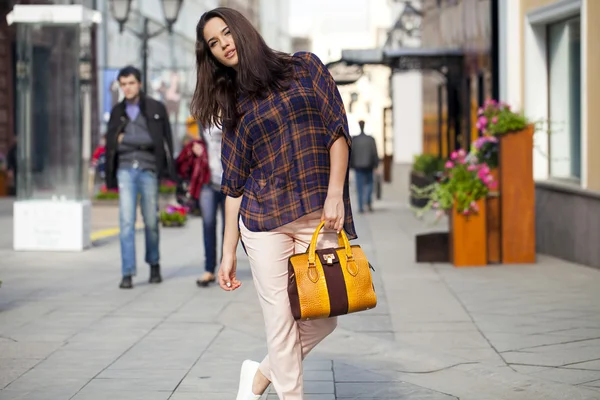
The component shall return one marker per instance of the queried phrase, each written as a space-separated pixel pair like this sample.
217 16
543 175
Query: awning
404 59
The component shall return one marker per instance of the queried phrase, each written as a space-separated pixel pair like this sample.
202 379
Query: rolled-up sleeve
329 100
235 158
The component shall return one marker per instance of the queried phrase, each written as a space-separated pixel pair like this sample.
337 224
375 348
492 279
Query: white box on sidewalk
47 225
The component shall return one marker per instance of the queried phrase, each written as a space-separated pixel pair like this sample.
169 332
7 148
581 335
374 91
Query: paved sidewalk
514 333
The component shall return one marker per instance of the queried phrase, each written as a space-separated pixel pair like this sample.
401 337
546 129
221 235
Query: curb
104 234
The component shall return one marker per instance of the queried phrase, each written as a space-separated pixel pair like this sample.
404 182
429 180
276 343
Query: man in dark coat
364 159
139 152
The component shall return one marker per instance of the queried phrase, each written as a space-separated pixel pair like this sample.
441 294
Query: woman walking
285 156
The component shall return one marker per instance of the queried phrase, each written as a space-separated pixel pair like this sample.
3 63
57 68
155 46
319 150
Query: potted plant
425 170
167 187
497 118
105 194
461 194
173 216
514 214
485 150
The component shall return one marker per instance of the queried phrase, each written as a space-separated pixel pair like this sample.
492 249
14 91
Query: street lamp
120 10
171 11
411 19
407 25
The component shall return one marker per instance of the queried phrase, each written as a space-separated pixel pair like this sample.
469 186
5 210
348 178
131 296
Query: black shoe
126 283
155 274
206 280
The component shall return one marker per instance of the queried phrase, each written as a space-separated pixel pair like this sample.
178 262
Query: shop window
564 84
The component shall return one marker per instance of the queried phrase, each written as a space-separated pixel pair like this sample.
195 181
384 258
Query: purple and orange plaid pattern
278 155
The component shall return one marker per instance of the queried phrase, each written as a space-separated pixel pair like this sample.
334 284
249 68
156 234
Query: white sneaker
247 374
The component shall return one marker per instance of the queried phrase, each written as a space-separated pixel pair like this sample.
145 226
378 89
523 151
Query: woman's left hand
333 212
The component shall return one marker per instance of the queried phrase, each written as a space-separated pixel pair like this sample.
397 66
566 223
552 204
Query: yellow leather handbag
330 282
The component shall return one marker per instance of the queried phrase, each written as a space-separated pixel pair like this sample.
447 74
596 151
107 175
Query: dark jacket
159 128
364 154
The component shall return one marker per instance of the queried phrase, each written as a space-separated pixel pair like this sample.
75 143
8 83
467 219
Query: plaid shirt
278 155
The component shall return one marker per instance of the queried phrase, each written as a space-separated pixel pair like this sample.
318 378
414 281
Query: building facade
274 24
550 60
451 100
250 8
368 97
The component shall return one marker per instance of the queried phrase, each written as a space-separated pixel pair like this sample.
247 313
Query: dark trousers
210 200
364 187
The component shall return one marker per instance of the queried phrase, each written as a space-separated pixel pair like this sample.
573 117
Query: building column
6 82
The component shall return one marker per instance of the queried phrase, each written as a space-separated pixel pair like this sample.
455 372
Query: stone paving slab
518 332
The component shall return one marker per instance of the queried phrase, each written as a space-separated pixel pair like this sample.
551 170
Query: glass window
564 65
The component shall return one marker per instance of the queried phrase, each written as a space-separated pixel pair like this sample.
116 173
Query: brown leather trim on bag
338 296
293 292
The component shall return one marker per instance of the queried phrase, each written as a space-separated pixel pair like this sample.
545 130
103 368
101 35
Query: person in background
99 158
211 202
192 170
139 152
364 160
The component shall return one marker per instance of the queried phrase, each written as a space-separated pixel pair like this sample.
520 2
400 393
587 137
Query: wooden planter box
492 204
468 240
420 181
3 184
517 197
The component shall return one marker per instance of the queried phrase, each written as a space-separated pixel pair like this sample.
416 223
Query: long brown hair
260 70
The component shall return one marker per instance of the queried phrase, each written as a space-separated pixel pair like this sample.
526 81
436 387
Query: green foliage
167 187
497 118
174 217
427 164
107 195
464 183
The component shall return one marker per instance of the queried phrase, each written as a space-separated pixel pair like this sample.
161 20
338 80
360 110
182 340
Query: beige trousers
288 341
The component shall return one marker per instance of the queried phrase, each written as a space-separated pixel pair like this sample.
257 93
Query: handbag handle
312 248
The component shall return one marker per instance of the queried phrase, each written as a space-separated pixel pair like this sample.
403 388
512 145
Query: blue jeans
133 183
364 187
210 199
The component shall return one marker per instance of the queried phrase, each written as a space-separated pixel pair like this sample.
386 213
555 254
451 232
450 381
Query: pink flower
462 153
492 185
453 155
472 167
474 206
483 120
495 120
466 212
480 111
449 164
479 142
